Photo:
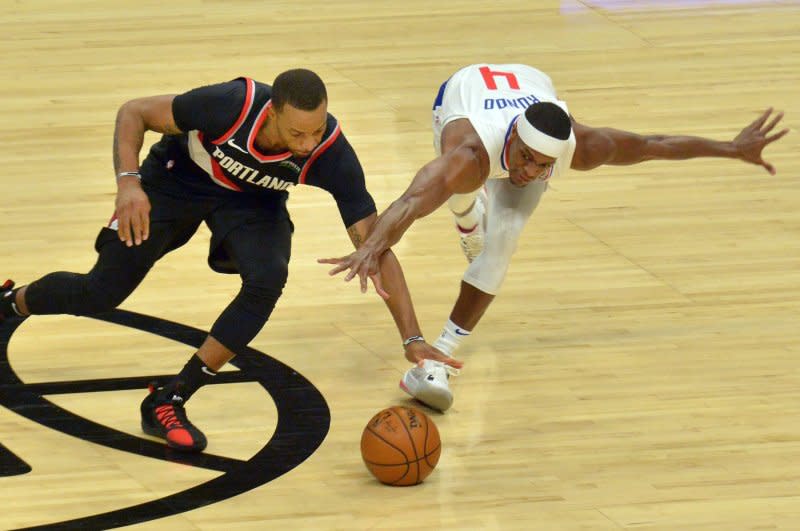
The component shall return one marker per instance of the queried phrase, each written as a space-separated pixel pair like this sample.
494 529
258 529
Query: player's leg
509 208
117 272
469 212
260 252
119 269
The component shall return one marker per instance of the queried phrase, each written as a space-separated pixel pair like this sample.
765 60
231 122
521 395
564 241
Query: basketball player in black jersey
230 155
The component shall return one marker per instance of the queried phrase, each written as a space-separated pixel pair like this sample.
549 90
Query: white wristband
129 174
411 339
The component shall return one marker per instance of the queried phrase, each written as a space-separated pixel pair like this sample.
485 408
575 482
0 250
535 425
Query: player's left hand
419 351
364 263
754 138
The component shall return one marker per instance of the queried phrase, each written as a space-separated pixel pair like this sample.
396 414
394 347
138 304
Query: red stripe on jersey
248 104
251 139
219 176
319 151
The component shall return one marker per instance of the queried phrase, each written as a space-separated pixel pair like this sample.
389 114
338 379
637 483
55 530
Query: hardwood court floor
638 371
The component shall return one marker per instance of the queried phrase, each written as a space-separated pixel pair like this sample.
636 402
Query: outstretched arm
453 172
399 304
462 168
598 146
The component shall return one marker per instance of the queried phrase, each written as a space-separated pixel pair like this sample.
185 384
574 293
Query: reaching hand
419 351
753 139
132 211
364 263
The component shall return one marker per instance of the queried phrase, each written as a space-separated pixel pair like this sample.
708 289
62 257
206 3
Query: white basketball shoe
429 384
472 241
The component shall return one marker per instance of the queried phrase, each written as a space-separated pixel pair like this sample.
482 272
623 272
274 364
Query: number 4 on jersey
489 75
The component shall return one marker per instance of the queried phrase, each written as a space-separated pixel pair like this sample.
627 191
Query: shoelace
472 242
452 371
166 416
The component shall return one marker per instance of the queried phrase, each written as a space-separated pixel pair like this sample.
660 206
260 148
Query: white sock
450 338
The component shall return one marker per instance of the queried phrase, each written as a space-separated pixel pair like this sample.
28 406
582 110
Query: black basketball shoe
7 300
165 417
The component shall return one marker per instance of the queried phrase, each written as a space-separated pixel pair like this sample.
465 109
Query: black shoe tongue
166 395
171 393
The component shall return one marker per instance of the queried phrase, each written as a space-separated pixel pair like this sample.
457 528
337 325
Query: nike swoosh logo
234 146
460 332
208 371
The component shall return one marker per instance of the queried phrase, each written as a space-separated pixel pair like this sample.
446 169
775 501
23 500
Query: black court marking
10 464
303 423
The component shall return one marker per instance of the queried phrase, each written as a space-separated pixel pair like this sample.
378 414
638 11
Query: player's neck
268 140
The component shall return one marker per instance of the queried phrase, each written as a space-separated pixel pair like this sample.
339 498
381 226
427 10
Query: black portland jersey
217 152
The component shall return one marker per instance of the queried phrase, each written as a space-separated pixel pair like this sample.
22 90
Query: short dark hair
550 119
301 88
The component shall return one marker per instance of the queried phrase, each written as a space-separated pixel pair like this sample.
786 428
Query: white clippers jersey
492 97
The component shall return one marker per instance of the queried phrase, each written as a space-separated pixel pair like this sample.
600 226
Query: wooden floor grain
639 369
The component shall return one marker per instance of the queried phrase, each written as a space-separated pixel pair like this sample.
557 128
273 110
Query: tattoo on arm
355 237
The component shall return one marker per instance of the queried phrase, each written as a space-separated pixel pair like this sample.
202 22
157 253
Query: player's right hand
362 263
132 211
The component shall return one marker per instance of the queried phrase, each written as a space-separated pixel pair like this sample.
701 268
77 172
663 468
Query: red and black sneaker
166 418
7 300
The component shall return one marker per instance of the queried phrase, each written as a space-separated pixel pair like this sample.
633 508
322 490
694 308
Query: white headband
539 141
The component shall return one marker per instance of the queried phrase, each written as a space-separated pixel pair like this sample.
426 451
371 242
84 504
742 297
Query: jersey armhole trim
248 105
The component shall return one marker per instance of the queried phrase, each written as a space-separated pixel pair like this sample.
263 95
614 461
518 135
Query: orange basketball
400 446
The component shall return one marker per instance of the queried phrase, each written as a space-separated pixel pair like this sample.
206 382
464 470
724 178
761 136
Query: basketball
400 446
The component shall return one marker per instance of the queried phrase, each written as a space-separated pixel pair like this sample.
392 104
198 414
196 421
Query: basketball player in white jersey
500 134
